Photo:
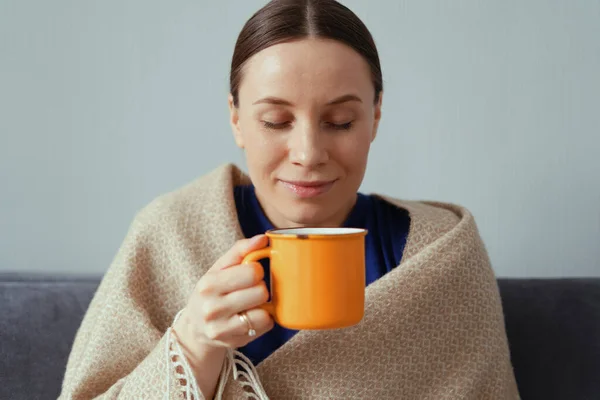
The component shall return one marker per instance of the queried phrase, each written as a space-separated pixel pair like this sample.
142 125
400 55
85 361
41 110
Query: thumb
239 250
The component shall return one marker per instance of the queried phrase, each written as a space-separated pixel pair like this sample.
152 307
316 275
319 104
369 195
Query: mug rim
316 232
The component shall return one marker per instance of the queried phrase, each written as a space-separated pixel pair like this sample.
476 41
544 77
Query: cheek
264 148
263 152
255 140
353 152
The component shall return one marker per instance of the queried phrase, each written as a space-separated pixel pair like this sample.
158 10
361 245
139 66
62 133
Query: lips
306 189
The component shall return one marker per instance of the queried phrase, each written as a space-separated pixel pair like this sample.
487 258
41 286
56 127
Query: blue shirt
387 227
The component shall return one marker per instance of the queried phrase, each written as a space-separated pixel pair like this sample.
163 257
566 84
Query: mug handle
259 255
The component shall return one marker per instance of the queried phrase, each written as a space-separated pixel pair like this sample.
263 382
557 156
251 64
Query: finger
240 249
246 299
231 279
213 308
260 320
234 331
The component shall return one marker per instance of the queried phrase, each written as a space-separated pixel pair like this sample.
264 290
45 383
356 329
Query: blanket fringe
177 361
243 372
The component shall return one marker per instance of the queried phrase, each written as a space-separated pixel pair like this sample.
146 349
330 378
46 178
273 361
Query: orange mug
317 276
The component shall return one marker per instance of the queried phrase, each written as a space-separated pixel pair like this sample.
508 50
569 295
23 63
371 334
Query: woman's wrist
206 361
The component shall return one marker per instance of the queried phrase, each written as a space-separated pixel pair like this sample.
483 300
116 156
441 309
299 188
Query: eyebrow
281 102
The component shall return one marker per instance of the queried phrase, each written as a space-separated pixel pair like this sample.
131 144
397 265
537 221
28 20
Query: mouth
305 189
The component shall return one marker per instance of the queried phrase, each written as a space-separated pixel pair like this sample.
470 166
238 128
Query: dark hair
285 20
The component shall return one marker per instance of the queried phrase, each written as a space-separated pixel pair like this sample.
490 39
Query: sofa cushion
38 321
553 328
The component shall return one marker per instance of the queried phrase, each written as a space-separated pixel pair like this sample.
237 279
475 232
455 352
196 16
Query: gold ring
244 318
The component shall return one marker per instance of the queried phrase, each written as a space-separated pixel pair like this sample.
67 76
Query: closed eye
275 125
340 127
284 125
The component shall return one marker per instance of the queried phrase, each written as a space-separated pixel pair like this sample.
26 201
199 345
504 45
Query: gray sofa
553 328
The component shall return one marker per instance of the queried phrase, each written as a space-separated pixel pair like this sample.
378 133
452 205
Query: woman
177 316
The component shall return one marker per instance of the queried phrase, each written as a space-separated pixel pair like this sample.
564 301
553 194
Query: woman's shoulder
208 193
428 211
193 224
431 220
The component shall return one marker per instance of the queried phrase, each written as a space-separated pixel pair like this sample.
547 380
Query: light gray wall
492 104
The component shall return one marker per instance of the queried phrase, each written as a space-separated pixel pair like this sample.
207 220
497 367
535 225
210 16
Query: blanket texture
433 327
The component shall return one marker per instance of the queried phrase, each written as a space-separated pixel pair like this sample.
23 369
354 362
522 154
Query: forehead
308 68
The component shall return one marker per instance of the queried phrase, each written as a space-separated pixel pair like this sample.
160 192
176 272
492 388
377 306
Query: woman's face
306 118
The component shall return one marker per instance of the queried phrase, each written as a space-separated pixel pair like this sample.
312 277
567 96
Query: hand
212 315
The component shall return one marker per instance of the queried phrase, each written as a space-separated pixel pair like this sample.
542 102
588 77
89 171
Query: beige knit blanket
433 327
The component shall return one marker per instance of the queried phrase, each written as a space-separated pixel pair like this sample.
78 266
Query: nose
307 146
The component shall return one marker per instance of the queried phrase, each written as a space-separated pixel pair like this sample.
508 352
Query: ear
234 119
377 116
